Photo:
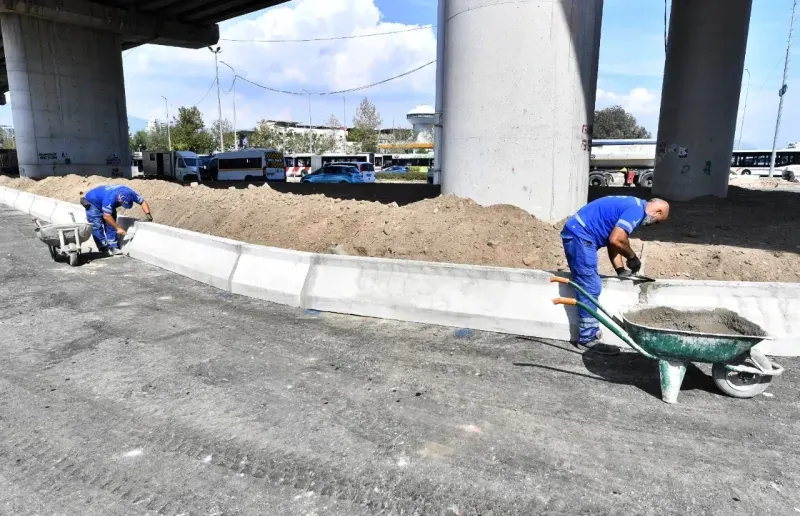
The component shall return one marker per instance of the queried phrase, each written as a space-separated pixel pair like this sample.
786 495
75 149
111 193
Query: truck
179 165
633 158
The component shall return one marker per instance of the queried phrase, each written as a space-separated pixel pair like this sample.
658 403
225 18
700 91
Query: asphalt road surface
127 390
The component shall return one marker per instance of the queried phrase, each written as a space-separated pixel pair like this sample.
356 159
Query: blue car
334 174
397 169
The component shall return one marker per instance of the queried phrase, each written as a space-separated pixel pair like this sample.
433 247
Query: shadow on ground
625 369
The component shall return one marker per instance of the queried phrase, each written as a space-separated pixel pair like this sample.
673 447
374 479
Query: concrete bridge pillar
519 83
67 98
700 97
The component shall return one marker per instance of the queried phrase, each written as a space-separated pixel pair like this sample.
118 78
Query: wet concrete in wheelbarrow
127 390
718 321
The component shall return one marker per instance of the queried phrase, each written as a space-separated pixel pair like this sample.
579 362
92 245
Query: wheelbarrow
738 370
64 240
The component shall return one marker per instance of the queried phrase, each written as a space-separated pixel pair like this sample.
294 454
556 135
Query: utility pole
169 134
744 111
233 87
782 91
344 122
219 98
310 143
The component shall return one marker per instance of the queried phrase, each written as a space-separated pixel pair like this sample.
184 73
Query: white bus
248 165
300 164
756 162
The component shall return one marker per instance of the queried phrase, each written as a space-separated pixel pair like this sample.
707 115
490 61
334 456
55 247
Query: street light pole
219 98
310 143
782 92
344 123
235 136
169 134
744 110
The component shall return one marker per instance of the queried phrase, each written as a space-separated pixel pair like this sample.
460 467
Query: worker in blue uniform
101 205
607 222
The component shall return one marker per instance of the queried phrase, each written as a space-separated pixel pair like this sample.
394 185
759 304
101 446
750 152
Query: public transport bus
421 162
300 164
756 162
249 165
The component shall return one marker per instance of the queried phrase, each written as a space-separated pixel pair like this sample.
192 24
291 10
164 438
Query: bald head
657 211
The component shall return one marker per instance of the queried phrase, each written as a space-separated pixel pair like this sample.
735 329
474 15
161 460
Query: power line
206 95
384 81
334 38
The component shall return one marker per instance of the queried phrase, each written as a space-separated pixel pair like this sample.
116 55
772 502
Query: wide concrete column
700 97
67 98
519 82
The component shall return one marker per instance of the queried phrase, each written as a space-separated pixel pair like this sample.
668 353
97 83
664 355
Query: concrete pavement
128 390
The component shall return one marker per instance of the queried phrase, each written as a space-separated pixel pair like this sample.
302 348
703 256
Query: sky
630 73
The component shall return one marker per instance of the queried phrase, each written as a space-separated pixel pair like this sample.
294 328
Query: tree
266 136
189 132
157 138
8 139
616 123
227 134
366 124
139 141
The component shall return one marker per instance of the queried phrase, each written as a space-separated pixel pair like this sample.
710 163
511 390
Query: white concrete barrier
485 298
511 301
23 201
773 306
272 274
64 211
42 208
204 258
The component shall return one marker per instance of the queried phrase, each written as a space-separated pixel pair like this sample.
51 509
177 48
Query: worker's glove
634 264
622 272
149 217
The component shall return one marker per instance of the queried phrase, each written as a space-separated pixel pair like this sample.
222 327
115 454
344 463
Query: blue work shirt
597 220
110 197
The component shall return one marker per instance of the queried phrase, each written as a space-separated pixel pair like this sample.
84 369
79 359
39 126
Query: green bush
408 176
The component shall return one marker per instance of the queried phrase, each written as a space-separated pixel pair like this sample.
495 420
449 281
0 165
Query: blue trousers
582 259
105 236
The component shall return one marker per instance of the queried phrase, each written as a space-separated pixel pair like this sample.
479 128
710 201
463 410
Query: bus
417 162
300 164
248 165
756 162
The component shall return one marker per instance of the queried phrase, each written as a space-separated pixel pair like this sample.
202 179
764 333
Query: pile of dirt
741 238
719 321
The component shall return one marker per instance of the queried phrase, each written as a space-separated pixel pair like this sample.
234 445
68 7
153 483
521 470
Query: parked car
367 170
335 174
397 169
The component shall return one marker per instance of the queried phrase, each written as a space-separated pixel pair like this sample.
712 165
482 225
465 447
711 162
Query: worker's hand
622 272
149 217
634 264
121 232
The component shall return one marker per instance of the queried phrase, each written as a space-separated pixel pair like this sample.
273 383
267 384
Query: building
422 119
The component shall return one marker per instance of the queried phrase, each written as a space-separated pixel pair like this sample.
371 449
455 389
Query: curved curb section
513 301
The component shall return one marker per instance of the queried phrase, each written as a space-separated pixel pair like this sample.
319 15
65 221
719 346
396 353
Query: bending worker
606 222
101 205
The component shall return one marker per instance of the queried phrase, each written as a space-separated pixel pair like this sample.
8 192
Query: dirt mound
719 321
739 239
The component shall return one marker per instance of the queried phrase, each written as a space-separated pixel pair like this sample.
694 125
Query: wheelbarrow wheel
740 385
74 259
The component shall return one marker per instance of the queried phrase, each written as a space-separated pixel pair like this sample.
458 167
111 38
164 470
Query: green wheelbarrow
738 370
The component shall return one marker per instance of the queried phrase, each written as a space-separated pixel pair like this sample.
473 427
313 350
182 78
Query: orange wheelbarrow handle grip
565 301
559 279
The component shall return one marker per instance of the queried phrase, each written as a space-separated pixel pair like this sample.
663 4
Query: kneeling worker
101 205
606 222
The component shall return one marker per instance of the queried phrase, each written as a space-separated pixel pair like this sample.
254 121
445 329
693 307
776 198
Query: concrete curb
511 301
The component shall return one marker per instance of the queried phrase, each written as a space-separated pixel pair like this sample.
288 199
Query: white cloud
642 103
183 75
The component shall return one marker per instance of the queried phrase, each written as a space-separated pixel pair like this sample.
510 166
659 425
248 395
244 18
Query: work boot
114 251
597 347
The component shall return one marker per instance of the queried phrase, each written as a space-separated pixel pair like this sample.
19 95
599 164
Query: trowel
637 279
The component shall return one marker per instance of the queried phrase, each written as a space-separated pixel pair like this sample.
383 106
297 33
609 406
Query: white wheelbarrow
64 240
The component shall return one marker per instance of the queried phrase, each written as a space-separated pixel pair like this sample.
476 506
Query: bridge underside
180 23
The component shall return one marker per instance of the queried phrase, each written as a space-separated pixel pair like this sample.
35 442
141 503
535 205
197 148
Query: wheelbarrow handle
608 322
566 281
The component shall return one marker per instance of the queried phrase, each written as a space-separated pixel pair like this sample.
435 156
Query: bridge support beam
67 98
700 97
519 82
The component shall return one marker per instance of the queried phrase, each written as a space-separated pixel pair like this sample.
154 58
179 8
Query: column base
42 171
